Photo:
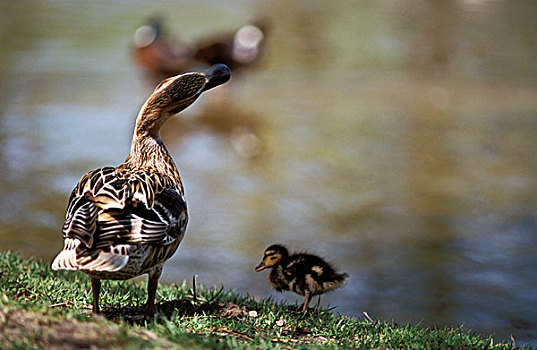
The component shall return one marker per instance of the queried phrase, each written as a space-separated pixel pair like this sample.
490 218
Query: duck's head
273 255
174 94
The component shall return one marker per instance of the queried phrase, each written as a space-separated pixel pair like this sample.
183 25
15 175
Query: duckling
156 52
237 49
127 221
302 273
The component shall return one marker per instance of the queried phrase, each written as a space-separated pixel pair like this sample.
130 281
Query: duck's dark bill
217 75
260 267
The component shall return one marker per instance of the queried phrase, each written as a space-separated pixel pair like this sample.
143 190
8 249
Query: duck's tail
336 282
66 259
340 278
69 259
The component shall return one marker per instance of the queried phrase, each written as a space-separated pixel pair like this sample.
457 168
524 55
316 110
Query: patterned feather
111 210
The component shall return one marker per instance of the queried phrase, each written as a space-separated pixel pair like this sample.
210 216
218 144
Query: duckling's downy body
302 273
127 221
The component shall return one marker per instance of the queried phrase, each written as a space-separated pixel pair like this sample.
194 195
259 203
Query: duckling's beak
260 267
216 75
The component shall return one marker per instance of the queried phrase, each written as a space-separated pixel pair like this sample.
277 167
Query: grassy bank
41 308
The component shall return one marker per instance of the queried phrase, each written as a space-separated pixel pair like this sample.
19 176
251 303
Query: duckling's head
273 255
174 94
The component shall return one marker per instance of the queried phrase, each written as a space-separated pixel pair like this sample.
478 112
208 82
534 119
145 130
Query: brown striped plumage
127 221
305 274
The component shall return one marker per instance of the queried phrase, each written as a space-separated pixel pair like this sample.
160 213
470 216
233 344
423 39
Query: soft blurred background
397 139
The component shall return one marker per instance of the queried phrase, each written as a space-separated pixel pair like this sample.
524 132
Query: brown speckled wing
110 209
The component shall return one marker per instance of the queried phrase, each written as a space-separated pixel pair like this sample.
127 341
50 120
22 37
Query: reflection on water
394 138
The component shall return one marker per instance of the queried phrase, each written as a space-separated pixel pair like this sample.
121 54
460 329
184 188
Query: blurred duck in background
158 53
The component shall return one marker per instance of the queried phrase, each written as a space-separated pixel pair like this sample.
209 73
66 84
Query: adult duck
127 221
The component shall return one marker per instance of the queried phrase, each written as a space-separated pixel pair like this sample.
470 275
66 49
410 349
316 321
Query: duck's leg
307 295
96 289
152 284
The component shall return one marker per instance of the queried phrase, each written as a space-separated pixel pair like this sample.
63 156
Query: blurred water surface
397 139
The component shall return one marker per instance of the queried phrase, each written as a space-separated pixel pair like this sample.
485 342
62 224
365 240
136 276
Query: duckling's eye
272 258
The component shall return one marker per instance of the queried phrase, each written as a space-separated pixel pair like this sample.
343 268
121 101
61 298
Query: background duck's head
174 94
149 33
272 256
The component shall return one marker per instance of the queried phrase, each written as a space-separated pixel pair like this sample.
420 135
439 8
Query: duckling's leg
96 289
152 284
307 295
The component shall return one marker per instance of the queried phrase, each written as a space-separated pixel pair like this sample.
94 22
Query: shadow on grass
166 309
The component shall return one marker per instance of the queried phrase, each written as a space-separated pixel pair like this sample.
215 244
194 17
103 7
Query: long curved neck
147 149
151 118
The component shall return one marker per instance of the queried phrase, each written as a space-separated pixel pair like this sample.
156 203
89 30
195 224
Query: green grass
53 307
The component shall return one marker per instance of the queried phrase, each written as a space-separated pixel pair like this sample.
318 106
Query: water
397 139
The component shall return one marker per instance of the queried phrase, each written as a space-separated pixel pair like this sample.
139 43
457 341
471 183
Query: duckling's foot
307 295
